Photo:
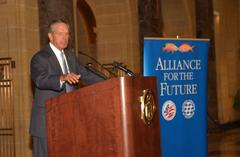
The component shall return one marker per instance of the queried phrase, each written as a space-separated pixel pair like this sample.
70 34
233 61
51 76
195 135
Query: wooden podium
106 119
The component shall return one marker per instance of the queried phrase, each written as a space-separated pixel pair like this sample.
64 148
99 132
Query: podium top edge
158 38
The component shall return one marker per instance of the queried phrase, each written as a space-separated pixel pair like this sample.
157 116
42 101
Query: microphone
98 63
126 70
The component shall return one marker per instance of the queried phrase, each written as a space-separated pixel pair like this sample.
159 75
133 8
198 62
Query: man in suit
54 71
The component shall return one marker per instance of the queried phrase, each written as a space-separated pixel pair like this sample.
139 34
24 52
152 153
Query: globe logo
188 109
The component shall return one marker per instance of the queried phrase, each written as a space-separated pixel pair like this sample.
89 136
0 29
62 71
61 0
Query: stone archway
85 31
108 31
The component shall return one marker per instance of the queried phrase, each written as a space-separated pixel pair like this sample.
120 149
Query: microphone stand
98 63
123 68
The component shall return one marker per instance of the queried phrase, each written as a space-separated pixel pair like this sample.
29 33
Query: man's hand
71 78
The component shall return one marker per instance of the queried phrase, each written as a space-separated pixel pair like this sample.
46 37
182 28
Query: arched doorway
85 31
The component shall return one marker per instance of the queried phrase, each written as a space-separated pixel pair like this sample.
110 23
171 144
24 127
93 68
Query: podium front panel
103 120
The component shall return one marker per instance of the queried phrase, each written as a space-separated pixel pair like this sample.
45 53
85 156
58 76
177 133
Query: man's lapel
54 61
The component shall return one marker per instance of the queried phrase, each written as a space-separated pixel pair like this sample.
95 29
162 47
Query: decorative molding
1 72
4 37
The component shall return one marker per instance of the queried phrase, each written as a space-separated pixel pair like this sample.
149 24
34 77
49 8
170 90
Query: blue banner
181 69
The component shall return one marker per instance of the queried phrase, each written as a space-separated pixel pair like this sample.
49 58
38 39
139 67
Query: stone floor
224 142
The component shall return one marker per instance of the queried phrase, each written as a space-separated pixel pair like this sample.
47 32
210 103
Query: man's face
59 36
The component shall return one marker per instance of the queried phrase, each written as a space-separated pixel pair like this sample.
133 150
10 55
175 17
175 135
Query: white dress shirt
57 52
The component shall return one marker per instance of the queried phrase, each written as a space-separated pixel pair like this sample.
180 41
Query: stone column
205 29
52 9
150 21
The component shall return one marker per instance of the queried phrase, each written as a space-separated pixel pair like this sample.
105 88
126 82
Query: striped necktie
68 87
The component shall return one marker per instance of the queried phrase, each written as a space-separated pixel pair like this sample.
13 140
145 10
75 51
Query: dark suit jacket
45 73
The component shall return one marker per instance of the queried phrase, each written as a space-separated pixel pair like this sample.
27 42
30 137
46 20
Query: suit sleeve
40 74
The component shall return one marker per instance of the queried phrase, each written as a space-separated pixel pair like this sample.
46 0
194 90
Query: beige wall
178 18
19 40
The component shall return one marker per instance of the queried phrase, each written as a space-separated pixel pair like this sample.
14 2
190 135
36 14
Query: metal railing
7 144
